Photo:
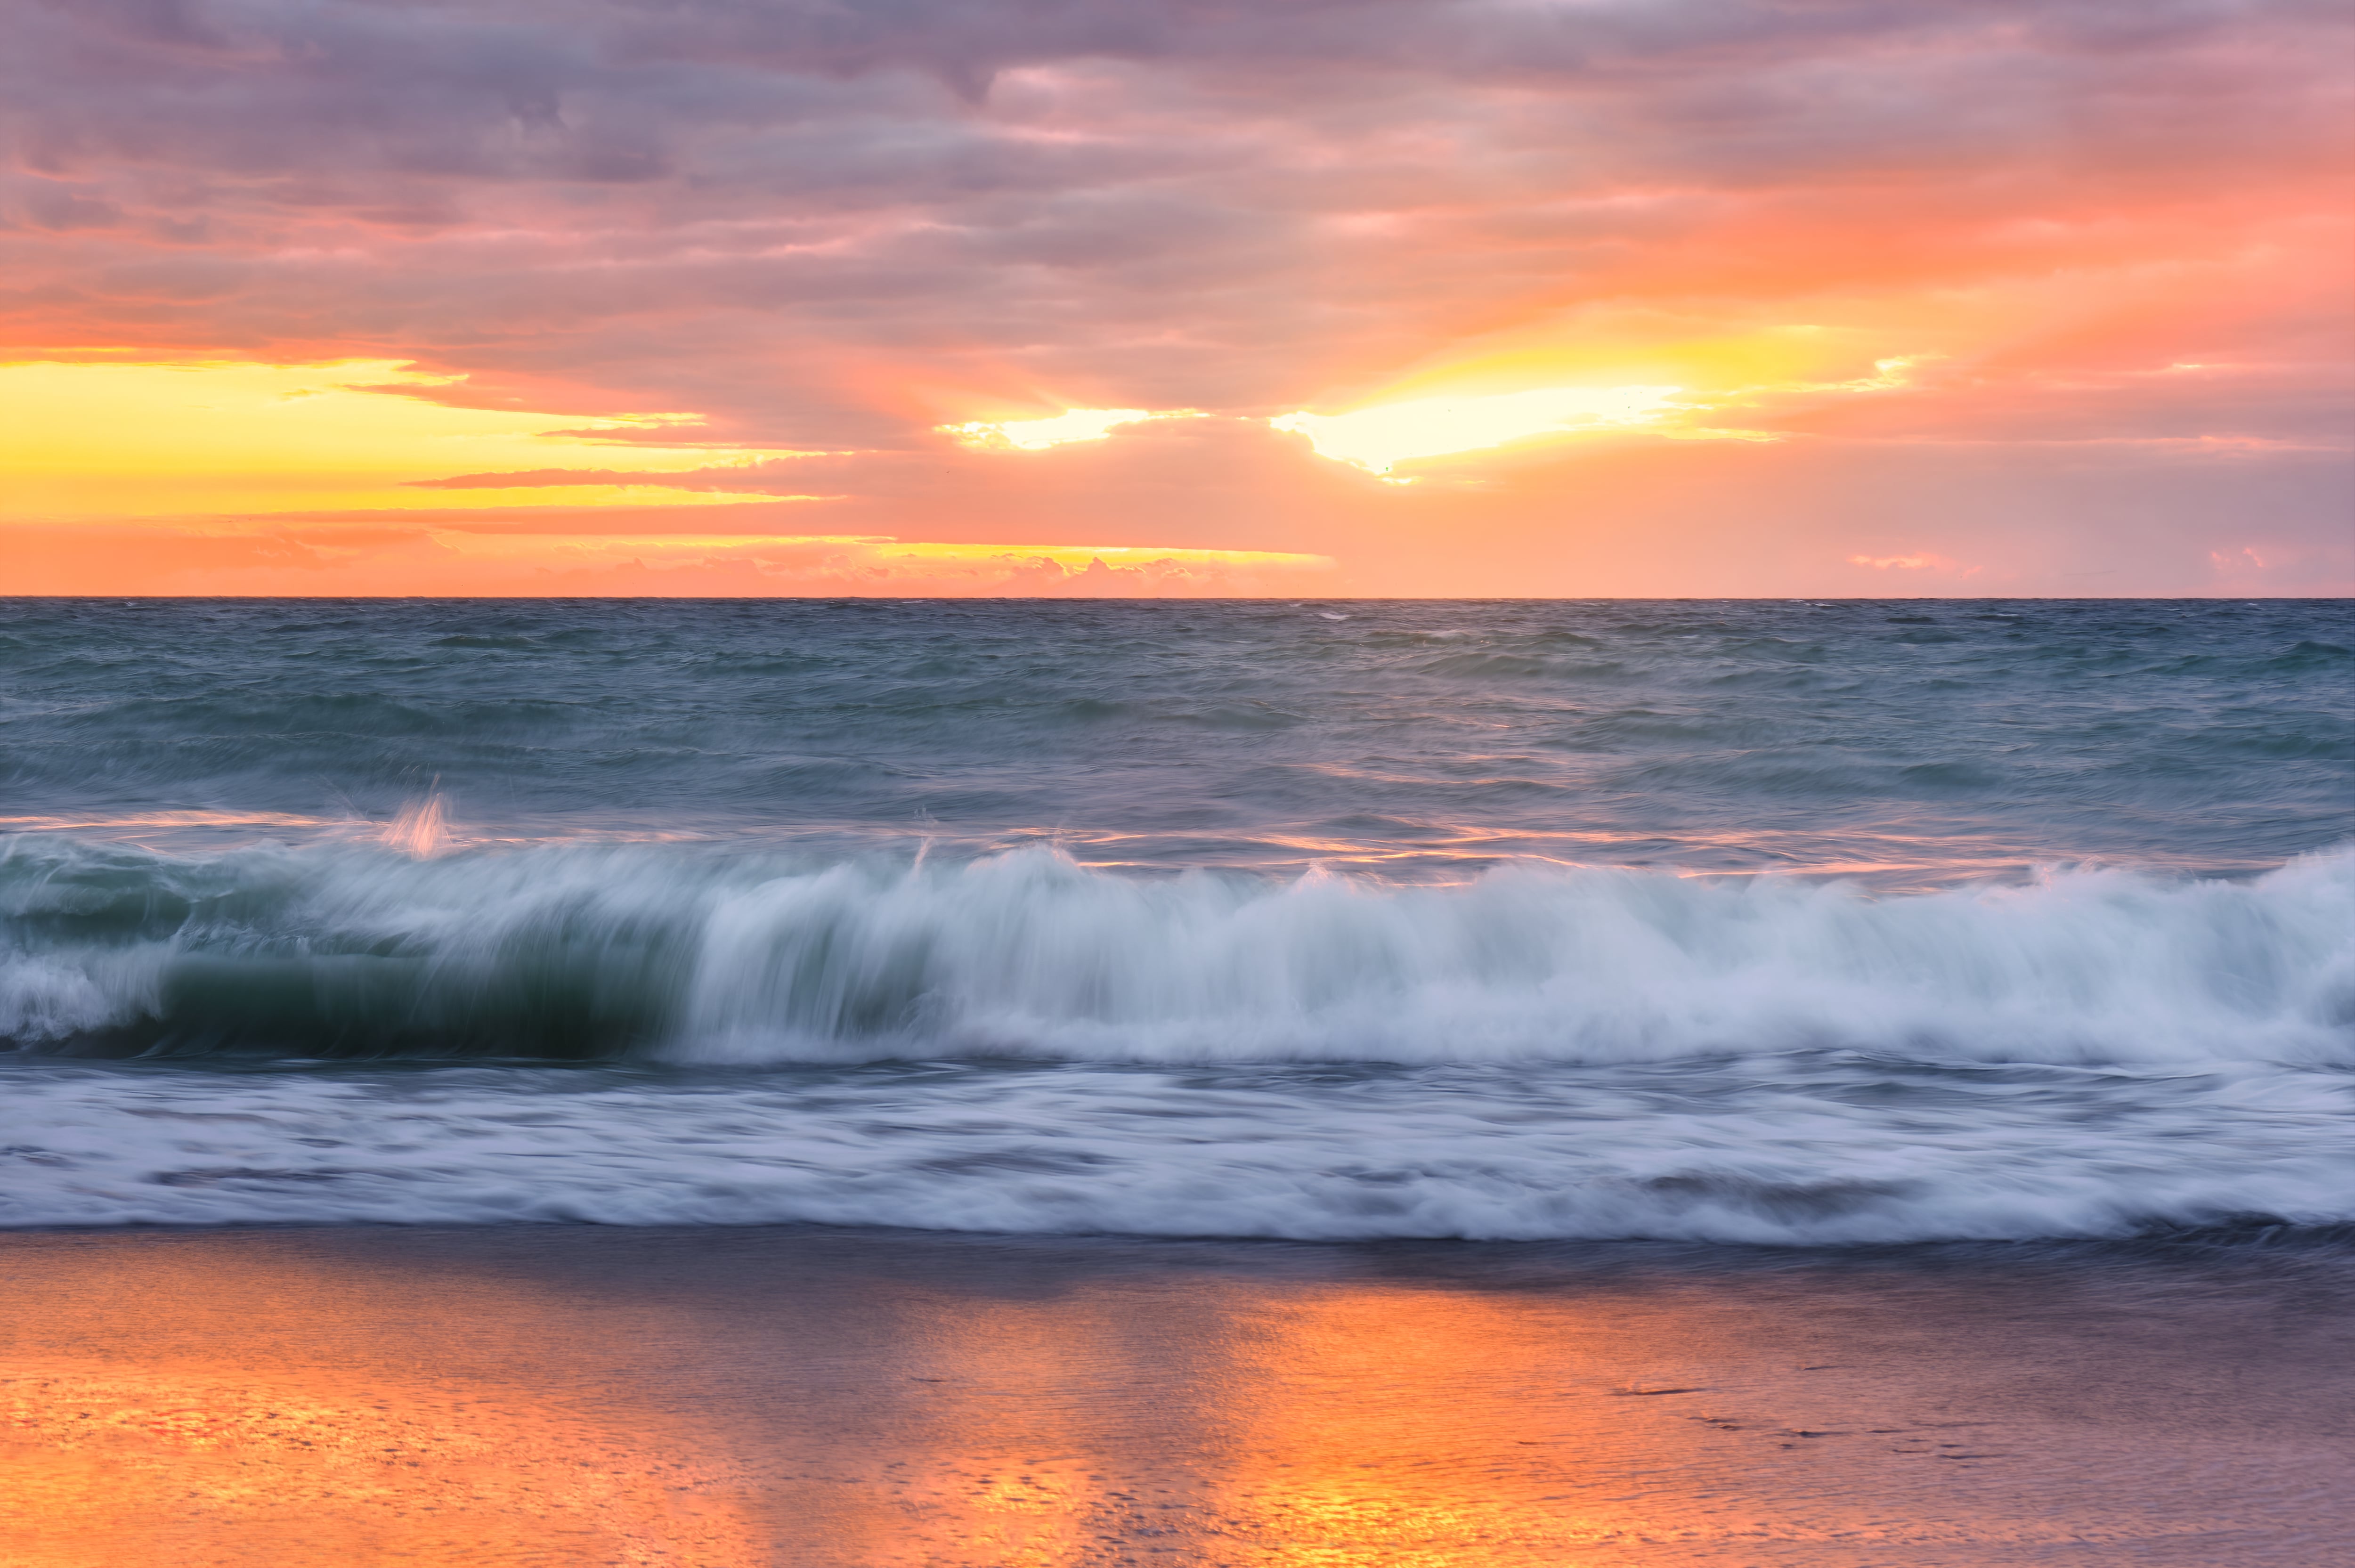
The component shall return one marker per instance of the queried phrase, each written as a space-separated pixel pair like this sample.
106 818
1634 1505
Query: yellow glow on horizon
1378 438
161 439
1058 430
658 549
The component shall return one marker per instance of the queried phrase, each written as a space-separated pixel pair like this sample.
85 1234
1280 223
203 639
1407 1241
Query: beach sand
570 1395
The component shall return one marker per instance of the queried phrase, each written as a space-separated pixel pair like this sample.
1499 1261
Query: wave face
1792 925
573 952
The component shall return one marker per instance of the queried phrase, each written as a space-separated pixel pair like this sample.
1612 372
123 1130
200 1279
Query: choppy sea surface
1784 922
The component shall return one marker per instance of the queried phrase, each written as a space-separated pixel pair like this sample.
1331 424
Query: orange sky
1117 296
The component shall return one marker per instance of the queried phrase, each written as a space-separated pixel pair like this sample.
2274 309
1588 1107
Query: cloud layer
2084 261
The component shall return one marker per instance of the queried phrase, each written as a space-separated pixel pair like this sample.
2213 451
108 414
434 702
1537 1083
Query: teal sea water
1761 922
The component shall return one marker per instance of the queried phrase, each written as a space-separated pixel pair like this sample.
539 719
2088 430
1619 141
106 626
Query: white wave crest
583 950
1030 955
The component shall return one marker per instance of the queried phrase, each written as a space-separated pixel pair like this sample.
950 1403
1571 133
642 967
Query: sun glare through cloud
1057 430
1377 439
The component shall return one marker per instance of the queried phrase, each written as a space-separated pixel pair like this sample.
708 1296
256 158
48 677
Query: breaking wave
582 952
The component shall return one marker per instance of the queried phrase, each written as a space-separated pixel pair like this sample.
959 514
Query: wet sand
581 1395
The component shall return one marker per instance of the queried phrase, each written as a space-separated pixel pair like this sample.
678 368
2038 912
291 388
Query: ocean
1795 924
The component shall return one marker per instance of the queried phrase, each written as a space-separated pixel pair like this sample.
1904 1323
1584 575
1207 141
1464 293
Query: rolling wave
580 952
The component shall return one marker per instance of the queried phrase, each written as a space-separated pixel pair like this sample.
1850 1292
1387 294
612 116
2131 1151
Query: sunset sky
1301 297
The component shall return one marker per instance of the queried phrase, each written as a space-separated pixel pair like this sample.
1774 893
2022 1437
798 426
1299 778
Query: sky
1680 298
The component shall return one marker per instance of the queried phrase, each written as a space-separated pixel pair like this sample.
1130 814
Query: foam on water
1812 1147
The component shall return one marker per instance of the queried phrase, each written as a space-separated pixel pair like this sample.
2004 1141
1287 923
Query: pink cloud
2118 230
1925 561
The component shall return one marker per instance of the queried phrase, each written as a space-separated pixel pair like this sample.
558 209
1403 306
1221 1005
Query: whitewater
1770 924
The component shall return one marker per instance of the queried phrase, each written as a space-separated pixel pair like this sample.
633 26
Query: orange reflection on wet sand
189 1435
723 1398
1366 1425
108 1466
1422 1429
